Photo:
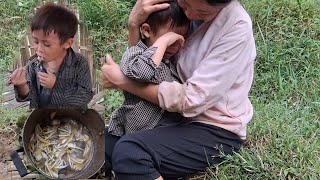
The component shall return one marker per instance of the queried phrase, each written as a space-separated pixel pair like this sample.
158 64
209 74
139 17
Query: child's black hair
174 15
51 17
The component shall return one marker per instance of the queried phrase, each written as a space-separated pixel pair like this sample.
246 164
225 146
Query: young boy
150 61
56 76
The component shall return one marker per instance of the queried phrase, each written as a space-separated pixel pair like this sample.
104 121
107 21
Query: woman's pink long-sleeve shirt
216 67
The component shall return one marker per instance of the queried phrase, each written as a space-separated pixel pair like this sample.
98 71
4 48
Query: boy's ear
146 30
68 43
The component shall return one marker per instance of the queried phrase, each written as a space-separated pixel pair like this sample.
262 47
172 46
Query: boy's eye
47 45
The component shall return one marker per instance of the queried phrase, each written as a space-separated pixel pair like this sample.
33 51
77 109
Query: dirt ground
8 141
7 144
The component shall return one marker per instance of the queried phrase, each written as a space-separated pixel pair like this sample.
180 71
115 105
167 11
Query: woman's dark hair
51 17
174 14
218 2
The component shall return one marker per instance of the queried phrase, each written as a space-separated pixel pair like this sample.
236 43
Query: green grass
107 21
282 144
12 117
14 19
288 50
282 140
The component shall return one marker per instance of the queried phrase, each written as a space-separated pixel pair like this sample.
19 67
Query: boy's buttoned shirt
137 114
72 89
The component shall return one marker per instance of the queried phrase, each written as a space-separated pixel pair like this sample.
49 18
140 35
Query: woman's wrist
134 35
133 25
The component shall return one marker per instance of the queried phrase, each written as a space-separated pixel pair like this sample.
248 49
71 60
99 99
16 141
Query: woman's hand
139 14
143 8
112 75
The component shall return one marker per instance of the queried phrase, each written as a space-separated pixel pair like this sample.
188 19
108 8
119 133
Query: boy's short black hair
51 17
174 14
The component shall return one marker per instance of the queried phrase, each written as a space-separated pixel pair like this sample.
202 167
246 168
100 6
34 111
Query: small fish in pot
63 145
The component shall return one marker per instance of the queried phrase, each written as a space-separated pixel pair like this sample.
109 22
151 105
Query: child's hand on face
18 77
167 45
171 38
47 80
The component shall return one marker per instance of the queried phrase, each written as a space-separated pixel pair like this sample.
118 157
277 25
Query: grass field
283 136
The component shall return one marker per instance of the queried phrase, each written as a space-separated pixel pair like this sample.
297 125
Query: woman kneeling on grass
211 106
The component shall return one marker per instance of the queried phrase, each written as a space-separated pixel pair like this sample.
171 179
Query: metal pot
89 118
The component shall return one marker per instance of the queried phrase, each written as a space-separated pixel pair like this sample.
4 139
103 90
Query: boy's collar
68 59
142 44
